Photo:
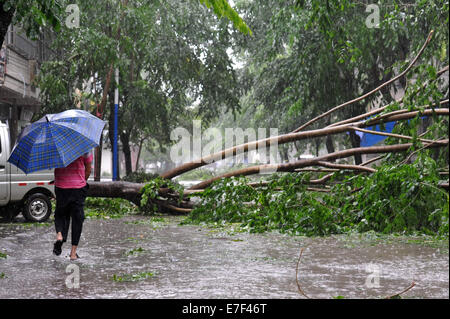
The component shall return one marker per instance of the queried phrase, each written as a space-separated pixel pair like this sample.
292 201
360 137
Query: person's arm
87 170
87 165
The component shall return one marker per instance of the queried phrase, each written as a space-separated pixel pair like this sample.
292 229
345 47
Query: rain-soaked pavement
143 257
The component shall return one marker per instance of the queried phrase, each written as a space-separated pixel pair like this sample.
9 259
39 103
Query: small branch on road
296 276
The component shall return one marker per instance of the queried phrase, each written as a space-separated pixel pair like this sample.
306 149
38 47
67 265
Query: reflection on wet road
141 257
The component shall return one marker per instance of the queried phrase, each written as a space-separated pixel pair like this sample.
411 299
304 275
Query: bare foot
73 253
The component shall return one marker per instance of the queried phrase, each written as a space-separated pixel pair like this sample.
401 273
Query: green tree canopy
172 60
307 56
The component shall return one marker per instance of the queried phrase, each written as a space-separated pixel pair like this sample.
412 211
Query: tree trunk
125 139
139 154
98 160
291 167
329 144
291 137
317 147
111 118
125 190
132 192
356 142
98 151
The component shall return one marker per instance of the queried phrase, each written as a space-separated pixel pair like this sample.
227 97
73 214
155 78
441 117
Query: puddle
162 259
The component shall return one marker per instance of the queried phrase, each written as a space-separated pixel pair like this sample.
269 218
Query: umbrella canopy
56 140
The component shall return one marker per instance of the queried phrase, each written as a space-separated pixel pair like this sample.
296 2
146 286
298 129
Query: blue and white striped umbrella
56 140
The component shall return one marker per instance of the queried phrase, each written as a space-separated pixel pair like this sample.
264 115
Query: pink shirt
73 176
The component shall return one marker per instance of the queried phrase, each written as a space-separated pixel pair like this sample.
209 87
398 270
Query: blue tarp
368 139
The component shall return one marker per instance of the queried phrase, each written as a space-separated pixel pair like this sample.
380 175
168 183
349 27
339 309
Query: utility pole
116 125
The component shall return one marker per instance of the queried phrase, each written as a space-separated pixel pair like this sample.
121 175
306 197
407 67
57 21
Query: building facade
20 60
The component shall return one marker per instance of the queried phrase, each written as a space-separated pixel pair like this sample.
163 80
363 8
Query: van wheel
37 208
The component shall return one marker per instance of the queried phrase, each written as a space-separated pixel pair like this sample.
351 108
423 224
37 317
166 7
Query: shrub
139 177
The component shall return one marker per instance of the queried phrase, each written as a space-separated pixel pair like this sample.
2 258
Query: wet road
142 257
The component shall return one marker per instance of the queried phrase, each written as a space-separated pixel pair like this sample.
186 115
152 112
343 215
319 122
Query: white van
28 194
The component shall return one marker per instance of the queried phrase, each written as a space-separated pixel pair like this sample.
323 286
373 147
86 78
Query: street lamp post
116 125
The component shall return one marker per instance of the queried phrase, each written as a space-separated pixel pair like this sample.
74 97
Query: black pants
70 204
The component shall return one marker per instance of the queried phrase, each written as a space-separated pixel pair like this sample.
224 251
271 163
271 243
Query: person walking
71 189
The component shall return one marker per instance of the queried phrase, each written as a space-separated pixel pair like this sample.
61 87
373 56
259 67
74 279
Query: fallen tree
132 191
126 190
318 161
174 201
292 137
